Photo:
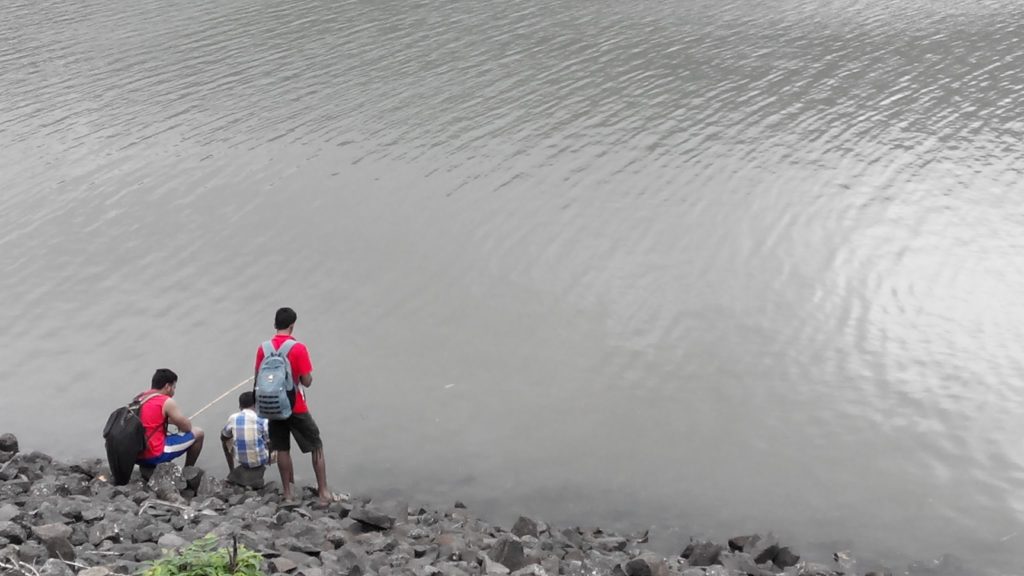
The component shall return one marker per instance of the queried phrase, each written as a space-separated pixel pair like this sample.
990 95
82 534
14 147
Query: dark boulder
8 443
703 553
508 551
525 527
373 516
743 543
785 558
13 532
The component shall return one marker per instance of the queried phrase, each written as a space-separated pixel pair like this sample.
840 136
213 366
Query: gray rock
764 549
373 516
47 513
71 509
508 551
171 541
492 567
192 475
337 538
637 567
525 527
812 569
209 486
702 553
743 543
742 563
48 532
573 537
32 553
9 512
531 570
93 514
147 553
611 544
8 443
247 477
785 558
13 532
54 567
104 531
96 571
56 539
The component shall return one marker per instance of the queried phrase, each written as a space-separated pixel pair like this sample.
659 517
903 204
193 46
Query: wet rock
702 553
8 443
96 571
525 527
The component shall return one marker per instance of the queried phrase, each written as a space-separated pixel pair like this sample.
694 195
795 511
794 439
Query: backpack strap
268 349
286 347
143 399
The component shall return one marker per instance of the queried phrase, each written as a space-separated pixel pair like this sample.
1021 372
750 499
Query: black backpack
125 439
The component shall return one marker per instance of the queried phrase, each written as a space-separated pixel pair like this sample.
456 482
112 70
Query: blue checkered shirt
251 437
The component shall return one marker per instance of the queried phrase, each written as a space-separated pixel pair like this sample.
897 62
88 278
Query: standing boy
300 423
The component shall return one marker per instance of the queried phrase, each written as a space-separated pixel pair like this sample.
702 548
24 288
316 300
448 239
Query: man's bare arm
306 380
174 416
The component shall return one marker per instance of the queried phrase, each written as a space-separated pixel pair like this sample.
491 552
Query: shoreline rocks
66 518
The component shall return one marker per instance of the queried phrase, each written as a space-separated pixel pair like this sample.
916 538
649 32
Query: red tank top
153 420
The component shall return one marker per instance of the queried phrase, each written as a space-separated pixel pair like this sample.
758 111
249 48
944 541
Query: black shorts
302 426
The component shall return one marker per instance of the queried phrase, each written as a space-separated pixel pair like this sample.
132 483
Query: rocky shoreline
59 519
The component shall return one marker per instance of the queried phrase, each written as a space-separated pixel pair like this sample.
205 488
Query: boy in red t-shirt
300 424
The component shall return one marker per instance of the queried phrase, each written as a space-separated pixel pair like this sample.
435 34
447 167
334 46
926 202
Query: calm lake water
705 267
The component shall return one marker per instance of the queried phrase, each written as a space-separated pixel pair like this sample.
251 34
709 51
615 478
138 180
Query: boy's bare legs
192 456
320 469
284 465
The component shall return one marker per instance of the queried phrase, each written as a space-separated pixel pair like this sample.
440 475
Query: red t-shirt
298 357
155 423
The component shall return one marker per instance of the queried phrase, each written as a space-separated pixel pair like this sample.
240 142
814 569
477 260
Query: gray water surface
705 267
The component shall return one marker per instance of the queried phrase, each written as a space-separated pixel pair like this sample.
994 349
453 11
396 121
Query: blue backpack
274 384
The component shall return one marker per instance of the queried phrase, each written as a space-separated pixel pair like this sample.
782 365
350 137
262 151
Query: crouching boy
246 438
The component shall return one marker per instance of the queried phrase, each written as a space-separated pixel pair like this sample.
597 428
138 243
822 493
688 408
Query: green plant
204 558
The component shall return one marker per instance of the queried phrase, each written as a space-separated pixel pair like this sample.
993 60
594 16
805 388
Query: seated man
246 436
158 410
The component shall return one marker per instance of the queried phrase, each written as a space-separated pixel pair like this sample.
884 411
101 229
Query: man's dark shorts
302 426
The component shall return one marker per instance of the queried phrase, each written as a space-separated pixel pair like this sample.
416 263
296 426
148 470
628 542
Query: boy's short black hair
162 377
246 400
284 318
